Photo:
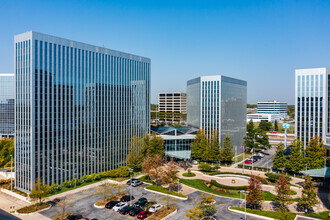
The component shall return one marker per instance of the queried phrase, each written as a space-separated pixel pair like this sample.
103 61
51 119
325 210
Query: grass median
270 214
164 190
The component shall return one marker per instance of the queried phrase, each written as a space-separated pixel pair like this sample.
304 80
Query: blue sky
262 42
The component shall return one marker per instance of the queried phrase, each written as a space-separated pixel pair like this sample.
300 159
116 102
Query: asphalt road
5 215
266 161
83 204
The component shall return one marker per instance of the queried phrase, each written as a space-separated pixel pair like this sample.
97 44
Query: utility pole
11 175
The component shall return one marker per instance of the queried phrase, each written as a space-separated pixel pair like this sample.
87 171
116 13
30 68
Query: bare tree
105 190
62 210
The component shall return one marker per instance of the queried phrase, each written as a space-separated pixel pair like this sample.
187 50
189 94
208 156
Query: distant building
262 117
177 140
7 105
218 103
77 108
173 102
273 107
312 106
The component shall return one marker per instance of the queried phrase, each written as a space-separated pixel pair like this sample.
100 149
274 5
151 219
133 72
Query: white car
155 208
260 154
119 206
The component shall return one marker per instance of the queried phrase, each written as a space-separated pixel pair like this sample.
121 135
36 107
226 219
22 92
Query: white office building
273 107
312 107
263 117
218 103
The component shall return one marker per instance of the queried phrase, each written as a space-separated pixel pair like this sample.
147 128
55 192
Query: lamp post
130 194
11 176
245 193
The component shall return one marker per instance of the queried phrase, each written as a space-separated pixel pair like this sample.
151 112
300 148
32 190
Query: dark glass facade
7 105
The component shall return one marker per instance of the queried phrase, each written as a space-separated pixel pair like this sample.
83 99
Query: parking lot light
130 194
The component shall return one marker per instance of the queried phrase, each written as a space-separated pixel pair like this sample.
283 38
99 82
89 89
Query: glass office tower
218 103
77 107
7 105
312 105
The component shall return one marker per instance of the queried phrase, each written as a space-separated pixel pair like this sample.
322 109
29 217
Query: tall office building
7 104
218 103
273 107
77 107
312 105
172 102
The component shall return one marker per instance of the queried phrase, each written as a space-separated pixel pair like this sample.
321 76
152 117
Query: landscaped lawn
164 190
199 184
270 214
321 215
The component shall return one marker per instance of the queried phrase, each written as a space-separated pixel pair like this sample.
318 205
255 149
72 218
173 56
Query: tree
261 138
7 146
226 151
280 160
255 196
62 209
105 190
204 208
169 174
212 149
195 213
275 126
250 135
208 167
315 153
39 191
168 201
308 198
153 145
152 165
296 158
283 197
135 156
265 126
123 171
198 146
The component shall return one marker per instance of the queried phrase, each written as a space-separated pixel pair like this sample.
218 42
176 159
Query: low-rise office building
273 107
263 117
172 102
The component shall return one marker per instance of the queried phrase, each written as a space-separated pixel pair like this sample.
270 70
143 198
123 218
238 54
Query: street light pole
245 192
130 194
11 175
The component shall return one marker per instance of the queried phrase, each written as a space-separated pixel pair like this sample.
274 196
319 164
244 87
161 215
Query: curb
250 214
177 197
171 214
32 213
99 207
305 217
17 196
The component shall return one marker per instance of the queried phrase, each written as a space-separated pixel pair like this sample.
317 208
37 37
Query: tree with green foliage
291 111
296 158
205 207
153 144
308 198
7 146
39 191
212 149
226 151
250 135
255 196
275 126
265 126
315 154
135 156
261 138
283 198
208 167
199 145
280 160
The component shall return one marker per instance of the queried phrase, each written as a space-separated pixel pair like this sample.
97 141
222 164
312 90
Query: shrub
95 176
33 208
273 177
75 182
103 174
86 178
164 190
146 179
188 174
216 184
55 187
123 171
67 184
113 173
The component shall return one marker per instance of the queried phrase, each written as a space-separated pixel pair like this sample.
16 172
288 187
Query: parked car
119 206
129 181
111 204
143 214
260 154
137 183
257 157
147 205
127 198
155 208
126 210
135 211
141 202
254 157
74 217
248 161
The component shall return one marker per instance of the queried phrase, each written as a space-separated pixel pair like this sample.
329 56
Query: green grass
164 190
241 157
188 174
321 215
270 214
199 184
146 179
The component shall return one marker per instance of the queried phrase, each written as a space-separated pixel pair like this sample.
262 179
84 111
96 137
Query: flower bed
33 208
162 213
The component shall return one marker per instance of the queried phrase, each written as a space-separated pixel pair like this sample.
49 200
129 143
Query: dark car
141 202
135 211
74 217
143 214
111 204
127 198
126 210
257 156
129 181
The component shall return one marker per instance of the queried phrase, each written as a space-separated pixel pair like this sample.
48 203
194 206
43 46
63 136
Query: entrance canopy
322 172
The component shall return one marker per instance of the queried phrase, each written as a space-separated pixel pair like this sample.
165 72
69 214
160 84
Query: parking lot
83 204
267 160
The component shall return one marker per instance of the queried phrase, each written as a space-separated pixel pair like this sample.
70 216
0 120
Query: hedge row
254 168
216 184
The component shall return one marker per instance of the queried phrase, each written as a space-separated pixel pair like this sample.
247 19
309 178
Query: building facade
218 103
177 140
7 105
273 107
312 105
172 102
77 107
263 117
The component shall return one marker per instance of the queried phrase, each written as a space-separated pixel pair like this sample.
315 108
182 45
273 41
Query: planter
32 212
99 207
